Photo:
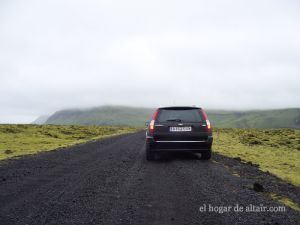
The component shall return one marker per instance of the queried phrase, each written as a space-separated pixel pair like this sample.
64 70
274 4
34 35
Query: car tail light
151 125
208 125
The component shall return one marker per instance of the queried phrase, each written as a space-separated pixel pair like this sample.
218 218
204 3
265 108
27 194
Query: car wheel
149 154
206 155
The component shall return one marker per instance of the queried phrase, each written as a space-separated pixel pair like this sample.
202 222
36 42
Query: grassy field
17 140
274 150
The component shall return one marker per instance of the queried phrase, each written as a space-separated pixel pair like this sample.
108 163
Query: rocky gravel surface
110 182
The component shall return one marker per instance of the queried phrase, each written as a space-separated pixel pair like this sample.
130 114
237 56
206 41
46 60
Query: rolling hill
103 115
137 116
280 118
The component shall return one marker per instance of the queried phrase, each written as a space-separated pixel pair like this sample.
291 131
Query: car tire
206 155
149 154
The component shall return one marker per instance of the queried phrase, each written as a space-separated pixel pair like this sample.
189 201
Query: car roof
179 107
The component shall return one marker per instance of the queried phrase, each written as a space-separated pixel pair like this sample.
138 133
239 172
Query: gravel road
110 182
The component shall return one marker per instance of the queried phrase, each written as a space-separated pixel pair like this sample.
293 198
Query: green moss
18 140
272 149
286 201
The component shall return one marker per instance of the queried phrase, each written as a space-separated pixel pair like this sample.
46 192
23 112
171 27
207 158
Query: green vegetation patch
274 150
286 201
17 140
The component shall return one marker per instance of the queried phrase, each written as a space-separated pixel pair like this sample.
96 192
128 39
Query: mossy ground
274 150
17 140
286 201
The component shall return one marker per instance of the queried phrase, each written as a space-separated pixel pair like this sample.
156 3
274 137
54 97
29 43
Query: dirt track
110 182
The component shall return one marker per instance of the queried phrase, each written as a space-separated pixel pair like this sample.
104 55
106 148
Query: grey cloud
217 54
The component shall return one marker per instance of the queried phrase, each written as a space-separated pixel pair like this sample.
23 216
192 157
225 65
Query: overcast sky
215 54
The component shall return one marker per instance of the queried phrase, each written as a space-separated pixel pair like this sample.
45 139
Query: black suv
179 129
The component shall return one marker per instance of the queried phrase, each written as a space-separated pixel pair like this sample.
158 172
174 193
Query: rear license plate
176 129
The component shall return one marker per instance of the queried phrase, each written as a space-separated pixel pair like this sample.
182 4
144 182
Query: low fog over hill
137 116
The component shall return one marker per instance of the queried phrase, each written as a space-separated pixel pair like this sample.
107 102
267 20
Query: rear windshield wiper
175 120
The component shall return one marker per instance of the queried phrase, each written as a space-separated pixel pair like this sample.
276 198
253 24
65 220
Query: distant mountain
135 116
103 115
279 118
41 119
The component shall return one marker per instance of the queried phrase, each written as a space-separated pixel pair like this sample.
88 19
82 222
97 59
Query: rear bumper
185 146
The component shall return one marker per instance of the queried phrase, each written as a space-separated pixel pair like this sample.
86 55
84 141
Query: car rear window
180 115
